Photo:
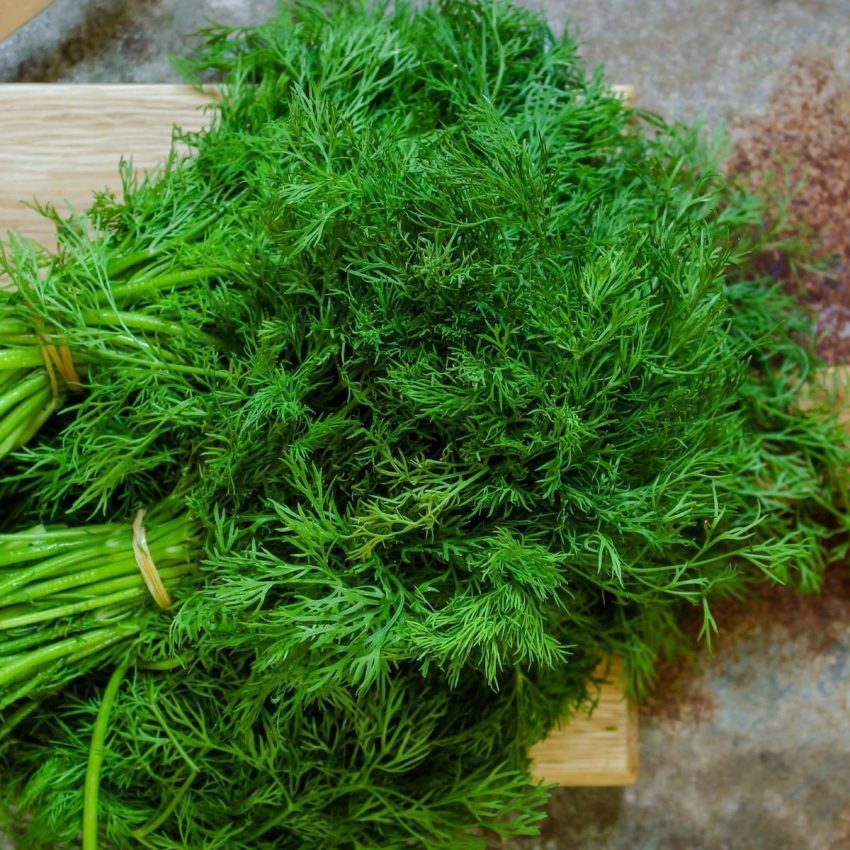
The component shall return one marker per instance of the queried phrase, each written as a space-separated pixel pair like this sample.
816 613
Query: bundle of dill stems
342 449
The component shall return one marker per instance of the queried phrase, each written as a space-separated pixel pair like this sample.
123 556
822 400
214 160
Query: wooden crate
61 142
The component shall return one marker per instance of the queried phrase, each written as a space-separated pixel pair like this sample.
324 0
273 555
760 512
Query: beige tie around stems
57 358
147 565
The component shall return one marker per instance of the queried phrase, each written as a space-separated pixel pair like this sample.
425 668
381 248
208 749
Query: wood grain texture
596 749
61 142
15 13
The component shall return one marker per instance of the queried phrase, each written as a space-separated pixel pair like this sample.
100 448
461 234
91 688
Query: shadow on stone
106 25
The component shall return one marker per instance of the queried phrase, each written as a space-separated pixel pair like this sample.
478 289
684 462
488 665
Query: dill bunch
517 393
470 383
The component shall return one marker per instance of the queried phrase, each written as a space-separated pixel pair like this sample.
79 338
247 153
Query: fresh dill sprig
517 384
416 766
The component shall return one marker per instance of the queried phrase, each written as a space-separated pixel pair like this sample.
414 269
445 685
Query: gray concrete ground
751 749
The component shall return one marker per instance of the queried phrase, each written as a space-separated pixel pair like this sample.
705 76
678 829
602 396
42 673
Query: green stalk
134 579
166 812
143 322
96 752
33 637
24 357
78 646
148 286
17 717
31 685
118 265
114 567
29 429
45 532
18 619
68 536
15 427
14 328
178 368
55 566
10 377
34 382
41 548
53 542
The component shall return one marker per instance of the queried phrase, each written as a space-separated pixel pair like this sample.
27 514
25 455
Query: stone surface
749 750
714 59
100 41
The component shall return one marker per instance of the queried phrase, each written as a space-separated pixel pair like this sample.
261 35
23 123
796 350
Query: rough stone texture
714 59
750 749
115 41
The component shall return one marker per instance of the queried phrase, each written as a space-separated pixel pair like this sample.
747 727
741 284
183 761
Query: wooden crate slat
62 142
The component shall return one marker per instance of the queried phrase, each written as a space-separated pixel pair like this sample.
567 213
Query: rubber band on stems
146 564
57 358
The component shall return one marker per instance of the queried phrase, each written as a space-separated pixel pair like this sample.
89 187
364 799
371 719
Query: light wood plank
596 749
61 142
15 13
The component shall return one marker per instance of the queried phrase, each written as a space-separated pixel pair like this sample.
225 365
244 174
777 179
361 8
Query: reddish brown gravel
803 140
770 613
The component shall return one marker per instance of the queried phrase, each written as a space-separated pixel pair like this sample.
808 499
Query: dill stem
21 358
109 597
30 685
48 614
117 265
96 753
71 535
10 377
24 420
38 543
35 381
155 284
79 646
56 564
29 429
23 412
182 369
122 564
40 548
18 716
14 327
141 321
163 816
39 637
